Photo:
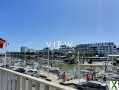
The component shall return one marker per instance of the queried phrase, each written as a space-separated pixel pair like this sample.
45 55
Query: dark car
92 85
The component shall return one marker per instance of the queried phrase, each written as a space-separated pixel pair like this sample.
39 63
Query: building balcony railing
12 80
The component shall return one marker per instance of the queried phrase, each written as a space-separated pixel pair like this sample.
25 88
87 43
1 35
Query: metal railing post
37 86
23 83
18 83
29 84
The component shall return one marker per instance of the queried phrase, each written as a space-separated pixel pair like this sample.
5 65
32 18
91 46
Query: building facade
66 49
93 49
24 49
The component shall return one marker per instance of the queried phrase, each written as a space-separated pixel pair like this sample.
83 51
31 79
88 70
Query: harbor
69 75
59 69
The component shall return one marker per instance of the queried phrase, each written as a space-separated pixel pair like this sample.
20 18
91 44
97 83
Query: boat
74 82
92 85
31 72
18 69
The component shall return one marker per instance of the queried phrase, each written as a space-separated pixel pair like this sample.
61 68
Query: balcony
12 80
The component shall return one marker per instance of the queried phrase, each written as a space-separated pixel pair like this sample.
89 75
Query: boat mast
77 68
48 59
5 61
78 58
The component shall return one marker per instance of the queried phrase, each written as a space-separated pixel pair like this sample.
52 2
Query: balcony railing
12 80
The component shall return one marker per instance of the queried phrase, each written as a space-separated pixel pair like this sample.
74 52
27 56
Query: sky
32 23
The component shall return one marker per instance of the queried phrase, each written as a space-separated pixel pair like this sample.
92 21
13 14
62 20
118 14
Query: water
72 69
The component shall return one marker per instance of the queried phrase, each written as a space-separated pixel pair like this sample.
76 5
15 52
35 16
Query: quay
12 80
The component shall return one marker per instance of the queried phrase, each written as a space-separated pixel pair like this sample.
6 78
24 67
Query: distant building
66 49
117 50
24 49
92 49
31 50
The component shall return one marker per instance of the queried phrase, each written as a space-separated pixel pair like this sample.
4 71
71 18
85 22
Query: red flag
2 42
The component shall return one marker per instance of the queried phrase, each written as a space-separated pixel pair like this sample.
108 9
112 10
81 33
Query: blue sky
32 23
